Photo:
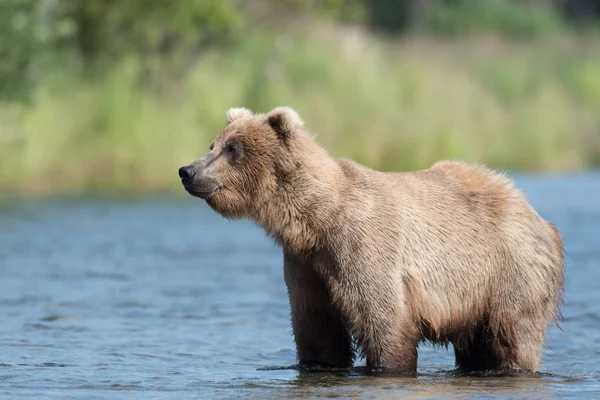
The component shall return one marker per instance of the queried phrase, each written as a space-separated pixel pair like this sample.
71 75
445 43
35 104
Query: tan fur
237 113
482 185
380 261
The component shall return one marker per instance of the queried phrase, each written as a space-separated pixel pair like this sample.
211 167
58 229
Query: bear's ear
237 113
283 120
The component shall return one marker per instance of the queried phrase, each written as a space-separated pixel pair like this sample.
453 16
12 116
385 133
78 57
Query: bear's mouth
203 187
203 194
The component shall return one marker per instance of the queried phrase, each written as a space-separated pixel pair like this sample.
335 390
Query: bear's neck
301 213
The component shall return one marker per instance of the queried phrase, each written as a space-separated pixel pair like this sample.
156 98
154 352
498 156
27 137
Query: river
159 297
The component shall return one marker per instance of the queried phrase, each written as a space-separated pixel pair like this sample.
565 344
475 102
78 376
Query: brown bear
380 261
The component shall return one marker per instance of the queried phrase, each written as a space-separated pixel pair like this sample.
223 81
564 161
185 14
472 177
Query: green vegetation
77 117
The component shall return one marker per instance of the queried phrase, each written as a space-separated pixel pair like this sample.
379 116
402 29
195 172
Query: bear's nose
187 174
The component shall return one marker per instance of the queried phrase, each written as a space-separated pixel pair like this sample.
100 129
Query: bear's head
248 161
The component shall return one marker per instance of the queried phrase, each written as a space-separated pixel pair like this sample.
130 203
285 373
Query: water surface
162 298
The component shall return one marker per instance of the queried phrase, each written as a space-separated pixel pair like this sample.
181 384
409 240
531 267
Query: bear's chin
223 209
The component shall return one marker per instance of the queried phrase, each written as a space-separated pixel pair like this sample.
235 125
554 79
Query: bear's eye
233 149
212 146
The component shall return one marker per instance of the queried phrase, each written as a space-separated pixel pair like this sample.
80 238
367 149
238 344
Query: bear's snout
187 174
197 182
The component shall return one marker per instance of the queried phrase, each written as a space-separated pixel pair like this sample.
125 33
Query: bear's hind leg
518 346
483 350
529 341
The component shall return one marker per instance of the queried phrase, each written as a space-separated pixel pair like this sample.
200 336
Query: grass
528 105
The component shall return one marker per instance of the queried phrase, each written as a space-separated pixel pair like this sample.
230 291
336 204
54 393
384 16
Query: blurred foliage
85 36
514 18
396 106
17 46
120 93
348 10
111 28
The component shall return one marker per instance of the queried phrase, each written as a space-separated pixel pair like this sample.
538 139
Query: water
162 298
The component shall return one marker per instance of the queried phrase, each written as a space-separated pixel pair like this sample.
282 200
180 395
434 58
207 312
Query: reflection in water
359 381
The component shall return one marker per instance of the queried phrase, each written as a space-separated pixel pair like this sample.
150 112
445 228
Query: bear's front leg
322 339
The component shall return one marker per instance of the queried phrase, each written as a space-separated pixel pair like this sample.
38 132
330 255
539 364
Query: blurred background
107 95
114 281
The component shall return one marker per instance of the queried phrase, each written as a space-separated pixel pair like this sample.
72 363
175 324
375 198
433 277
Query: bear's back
451 233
